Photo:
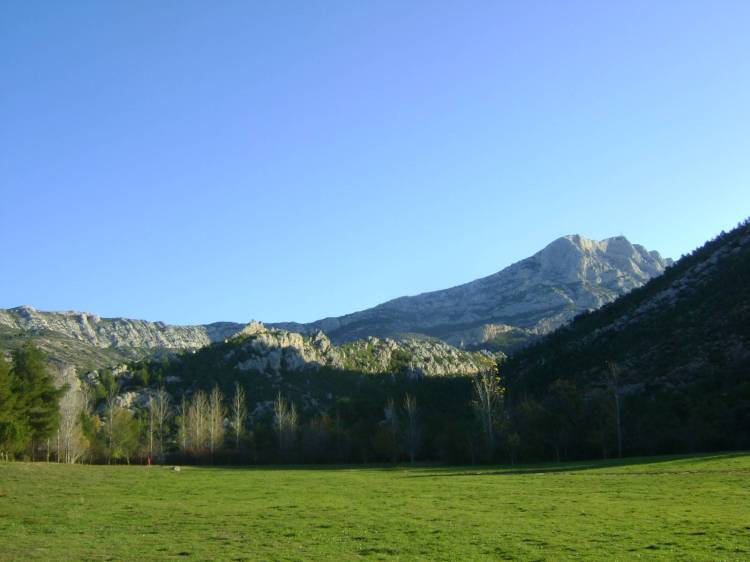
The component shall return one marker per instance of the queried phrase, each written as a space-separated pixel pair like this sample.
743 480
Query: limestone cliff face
115 332
533 296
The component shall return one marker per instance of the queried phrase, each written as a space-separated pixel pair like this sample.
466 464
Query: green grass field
670 508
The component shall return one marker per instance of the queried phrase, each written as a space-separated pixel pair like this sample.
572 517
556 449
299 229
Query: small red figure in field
148 460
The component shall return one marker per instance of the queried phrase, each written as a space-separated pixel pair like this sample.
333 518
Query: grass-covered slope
658 509
681 346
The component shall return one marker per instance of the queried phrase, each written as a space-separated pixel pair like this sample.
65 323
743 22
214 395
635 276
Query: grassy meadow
665 508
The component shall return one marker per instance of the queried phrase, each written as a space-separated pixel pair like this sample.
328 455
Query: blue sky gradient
192 162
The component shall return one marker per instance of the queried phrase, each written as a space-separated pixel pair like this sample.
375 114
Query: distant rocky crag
88 340
116 332
273 350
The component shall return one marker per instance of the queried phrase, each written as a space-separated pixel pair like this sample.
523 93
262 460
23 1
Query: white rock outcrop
273 351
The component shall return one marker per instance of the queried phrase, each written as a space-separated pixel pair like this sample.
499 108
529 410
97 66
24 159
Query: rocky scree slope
531 297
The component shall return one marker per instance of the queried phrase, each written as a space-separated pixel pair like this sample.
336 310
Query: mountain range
500 312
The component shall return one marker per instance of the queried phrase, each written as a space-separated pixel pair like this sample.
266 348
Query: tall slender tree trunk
614 385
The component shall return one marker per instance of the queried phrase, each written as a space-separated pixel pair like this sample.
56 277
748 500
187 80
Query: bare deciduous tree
216 414
239 413
112 389
198 421
285 424
487 395
183 424
151 424
162 412
71 443
394 427
412 428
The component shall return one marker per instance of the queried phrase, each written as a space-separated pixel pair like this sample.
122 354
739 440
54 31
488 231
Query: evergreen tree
13 431
37 394
7 395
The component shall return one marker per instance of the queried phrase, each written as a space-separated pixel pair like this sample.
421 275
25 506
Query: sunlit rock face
273 351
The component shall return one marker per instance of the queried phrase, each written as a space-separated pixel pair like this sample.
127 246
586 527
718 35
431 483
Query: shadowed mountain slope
676 351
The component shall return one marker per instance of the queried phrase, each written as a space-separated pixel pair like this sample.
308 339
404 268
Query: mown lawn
670 508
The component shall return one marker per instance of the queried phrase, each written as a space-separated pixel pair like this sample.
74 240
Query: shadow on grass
583 466
432 471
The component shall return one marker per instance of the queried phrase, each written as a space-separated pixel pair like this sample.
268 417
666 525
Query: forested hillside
672 356
309 400
265 395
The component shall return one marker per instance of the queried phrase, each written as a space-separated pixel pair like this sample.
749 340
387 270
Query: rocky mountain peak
253 327
575 258
533 296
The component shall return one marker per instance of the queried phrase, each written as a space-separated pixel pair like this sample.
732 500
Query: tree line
450 420
61 419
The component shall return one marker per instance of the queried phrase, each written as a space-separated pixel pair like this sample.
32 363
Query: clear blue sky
200 161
